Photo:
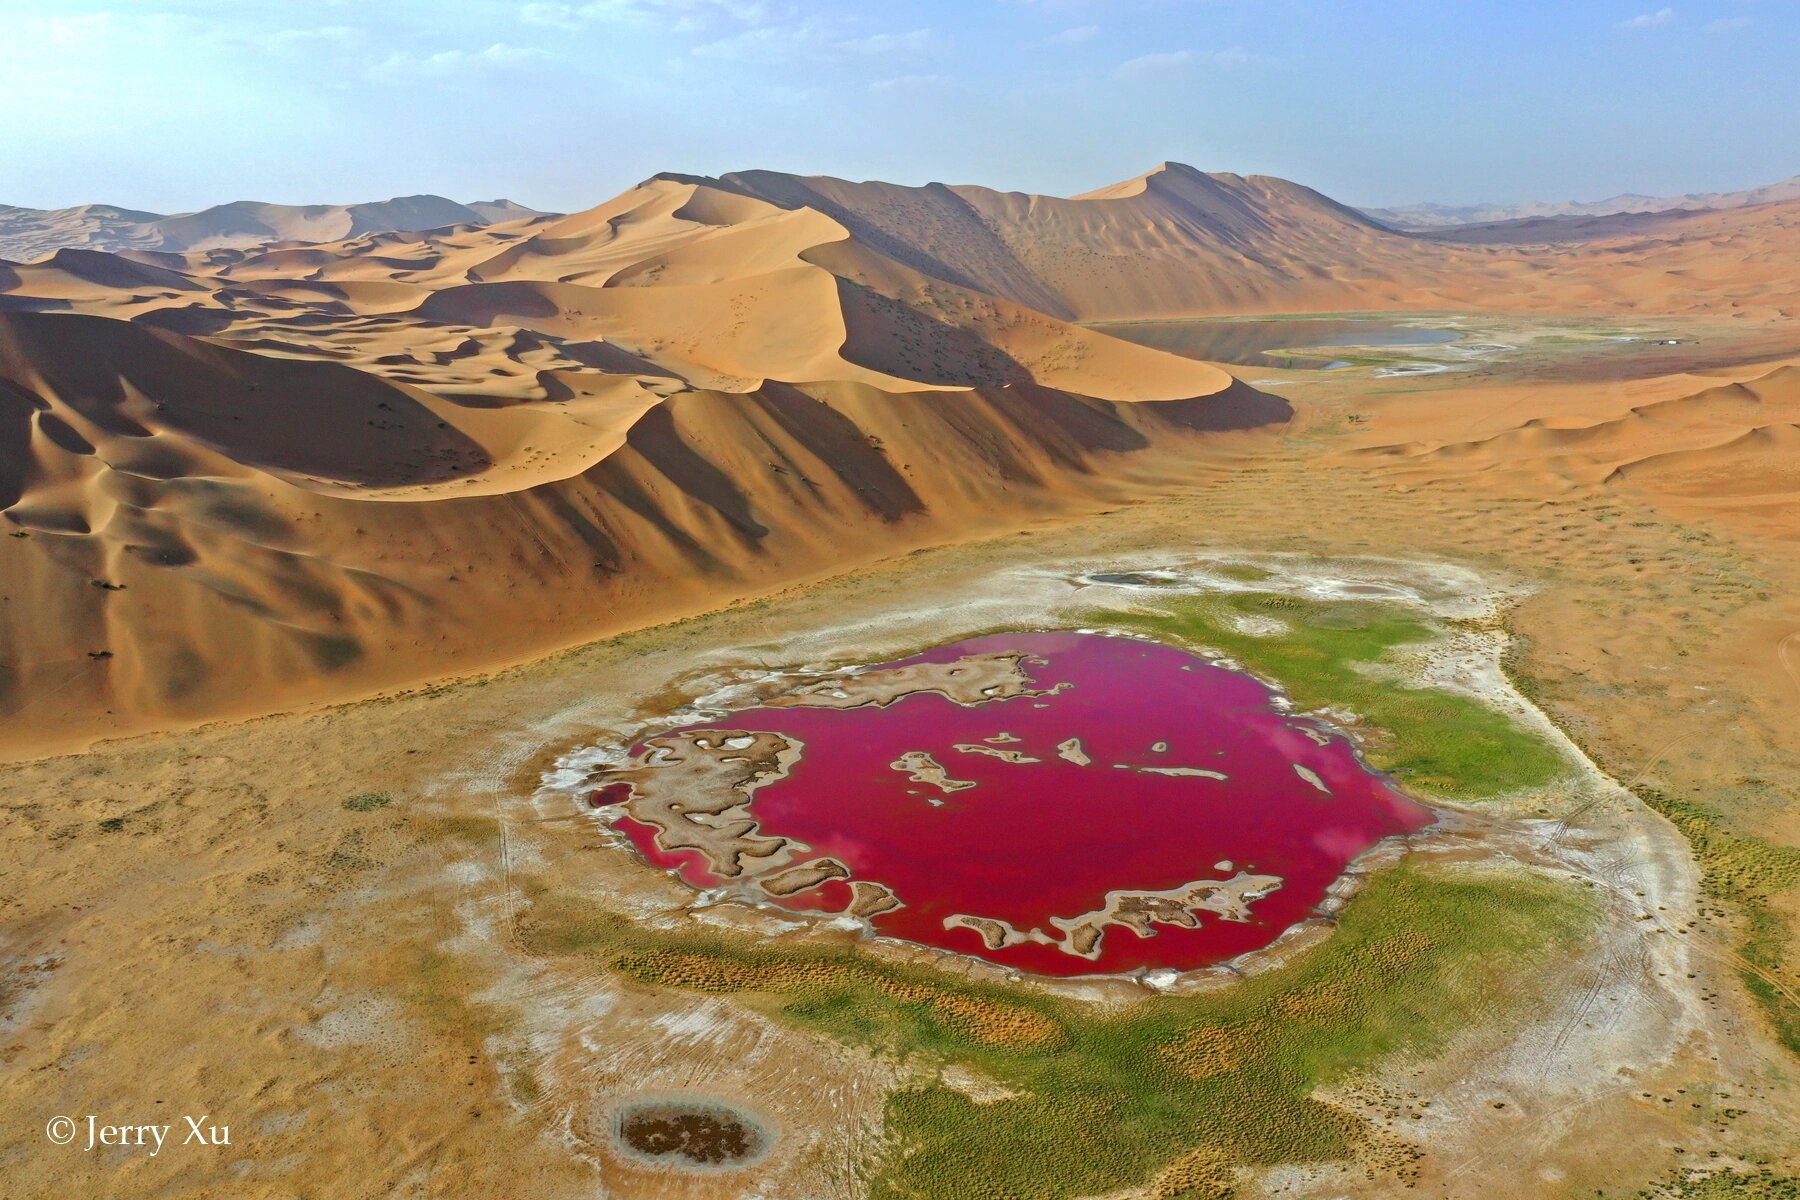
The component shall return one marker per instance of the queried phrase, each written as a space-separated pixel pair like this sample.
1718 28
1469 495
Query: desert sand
651 405
696 389
319 556
27 234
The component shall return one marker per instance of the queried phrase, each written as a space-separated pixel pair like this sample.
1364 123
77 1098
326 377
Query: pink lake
1050 838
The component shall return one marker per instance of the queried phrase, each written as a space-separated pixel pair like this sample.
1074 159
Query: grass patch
475 831
1176 1089
368 801
525 1087
1746 871
1332 654
439 991
1760 1184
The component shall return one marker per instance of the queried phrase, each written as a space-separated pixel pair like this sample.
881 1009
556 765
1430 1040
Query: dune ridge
28 234
1179 242
241 478
1690 444
245 478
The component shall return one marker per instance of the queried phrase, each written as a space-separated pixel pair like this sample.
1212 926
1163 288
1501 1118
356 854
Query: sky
173 105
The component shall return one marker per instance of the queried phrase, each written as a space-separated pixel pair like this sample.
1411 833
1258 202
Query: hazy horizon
610 191
178 105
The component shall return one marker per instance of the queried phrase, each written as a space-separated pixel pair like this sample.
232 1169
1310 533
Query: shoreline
1462 598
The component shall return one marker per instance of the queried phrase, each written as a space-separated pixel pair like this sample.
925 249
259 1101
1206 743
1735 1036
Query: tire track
1586 806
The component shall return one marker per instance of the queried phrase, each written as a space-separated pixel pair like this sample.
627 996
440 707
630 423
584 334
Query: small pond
690 1134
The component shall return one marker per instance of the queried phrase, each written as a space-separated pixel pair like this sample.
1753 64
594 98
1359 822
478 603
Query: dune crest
244 477
239 478
1722 450
28 234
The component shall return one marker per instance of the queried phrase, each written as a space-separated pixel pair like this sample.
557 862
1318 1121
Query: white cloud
326 36
1147 65
1233 57
1662 16
126 29
800 39
1153 64
816 40
1070 37
403 67
557 16
888 43
81 27
734 30
902 84
678 16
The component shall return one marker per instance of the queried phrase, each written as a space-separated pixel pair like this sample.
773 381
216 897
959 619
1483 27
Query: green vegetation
1332 654
364 802
1765 951
1723 1185
525 1087
1746 871
1175 1090
1244 572
476 831
440 993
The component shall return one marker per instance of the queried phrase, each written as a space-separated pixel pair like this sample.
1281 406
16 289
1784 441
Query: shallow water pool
1134 807
1257 343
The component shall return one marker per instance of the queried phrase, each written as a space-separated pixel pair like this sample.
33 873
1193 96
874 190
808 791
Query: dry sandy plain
324 561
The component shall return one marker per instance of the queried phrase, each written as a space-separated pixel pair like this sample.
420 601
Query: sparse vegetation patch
1338 654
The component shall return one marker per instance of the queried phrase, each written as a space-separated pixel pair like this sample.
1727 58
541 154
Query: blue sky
177 104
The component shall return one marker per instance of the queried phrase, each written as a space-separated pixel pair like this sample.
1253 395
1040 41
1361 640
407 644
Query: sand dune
1173 241
1181 242
245 477
1731 449
241 479
27 234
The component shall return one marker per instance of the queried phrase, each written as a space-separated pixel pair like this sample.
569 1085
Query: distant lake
1252 343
